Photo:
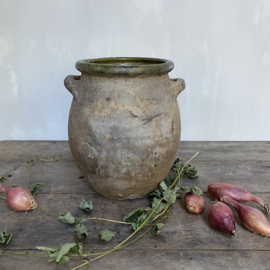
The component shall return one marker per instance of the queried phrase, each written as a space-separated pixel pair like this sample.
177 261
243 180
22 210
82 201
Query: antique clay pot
124 123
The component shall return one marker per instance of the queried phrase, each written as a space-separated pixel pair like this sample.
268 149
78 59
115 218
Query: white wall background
220 47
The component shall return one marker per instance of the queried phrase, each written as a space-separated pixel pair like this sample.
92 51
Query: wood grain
186 242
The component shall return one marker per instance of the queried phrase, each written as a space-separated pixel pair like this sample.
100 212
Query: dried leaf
87 206
35 188
67 218
81 231
80 220
2 178
64 250
107 235
5 237
4 197
161 206
156 193
157 228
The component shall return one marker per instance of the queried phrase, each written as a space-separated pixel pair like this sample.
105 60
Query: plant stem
110 220
24 255
47 212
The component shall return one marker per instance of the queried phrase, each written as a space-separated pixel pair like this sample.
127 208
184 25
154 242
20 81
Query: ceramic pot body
124 123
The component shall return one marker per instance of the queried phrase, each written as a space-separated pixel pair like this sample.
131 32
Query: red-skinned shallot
218 190
221 217
195 203
19 198
253 219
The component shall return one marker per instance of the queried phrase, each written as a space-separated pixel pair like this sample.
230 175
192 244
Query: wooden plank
65 177
192 231
214 151
151 260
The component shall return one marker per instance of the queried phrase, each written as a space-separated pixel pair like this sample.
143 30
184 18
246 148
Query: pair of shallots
221 217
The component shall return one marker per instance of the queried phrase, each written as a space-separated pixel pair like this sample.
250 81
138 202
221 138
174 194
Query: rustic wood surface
186 242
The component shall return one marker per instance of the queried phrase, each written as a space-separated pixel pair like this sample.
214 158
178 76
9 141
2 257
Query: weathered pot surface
124 123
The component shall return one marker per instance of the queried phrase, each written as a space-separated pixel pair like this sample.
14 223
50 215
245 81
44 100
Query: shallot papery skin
252 218
221 218
19 198
195 203
218 190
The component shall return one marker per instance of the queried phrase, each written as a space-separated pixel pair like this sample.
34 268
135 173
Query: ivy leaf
191 171
107 235
5 237
163 186
66 249
63 259
193 190
4 197
80 220
161 206
133 216
87 206
67 218
156 193
157 228
59 256
35 188
81 231
2 178
138 216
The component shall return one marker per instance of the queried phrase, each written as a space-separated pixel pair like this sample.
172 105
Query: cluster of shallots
221 217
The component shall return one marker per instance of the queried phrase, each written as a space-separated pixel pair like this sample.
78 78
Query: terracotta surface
124 124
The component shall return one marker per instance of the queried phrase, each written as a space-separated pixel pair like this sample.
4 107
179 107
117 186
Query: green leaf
193 190
35 188
156 193
80 220
4 197
64 250
81 231
157 228
63 259
107 235
59 256
5 237
138 216
87 206
161 206
133 216
163 186
2 178
67 218
191 171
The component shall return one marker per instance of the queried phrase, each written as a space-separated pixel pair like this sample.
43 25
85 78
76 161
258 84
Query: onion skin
221 218
253 219
19 198
195 203
218 190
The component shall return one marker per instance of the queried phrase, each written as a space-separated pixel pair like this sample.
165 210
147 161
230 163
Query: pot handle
178 85
70 83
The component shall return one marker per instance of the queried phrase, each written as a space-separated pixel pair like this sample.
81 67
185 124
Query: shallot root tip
233 233
266 207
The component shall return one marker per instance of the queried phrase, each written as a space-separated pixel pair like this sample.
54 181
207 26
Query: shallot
195 203
251 218
221 217
218 190
19 198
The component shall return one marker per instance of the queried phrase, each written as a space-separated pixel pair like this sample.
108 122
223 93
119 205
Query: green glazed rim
132 66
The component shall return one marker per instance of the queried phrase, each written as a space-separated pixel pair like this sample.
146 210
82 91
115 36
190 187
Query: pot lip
131 66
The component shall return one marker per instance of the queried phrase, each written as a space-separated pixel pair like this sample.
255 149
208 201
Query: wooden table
186 242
